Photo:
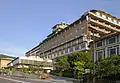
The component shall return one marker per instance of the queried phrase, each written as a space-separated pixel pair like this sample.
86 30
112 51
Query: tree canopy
109 67
75 62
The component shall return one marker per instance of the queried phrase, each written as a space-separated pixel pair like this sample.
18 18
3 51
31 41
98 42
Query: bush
56 73
109 68
60 74
68 73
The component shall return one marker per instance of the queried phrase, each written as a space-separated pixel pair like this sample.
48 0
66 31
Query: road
6 79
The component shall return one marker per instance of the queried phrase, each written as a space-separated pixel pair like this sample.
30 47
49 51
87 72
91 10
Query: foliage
30 68
62 63
24 69
7 70
67 73
6 56
109 67
13 69
79 61
2 70
36 69
75 63
56 73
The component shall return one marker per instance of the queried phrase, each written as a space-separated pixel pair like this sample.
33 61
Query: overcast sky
25 23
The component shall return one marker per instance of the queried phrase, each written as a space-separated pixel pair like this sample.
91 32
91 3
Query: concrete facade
78 36
24 61
4 62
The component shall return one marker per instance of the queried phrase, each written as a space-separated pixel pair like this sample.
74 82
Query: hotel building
78 36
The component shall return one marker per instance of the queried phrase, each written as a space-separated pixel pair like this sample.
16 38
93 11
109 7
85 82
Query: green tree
7 70
109 68
39 67
30 68
79 61
24 69
73 64
61 63
13 69
3 70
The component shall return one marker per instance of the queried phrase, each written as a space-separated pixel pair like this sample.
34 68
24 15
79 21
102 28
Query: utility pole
93 57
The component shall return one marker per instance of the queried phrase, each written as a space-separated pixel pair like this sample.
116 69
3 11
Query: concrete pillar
119 44
106 49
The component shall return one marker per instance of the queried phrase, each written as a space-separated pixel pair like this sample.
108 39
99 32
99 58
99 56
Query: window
83 45
101 14
99 43
100 55
112 20
117 22
77 48
117 38
80 40
66 51
83 30
71 49
112 51
106 17
111 40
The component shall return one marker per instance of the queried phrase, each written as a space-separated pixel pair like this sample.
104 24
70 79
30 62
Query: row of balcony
108 27
104 19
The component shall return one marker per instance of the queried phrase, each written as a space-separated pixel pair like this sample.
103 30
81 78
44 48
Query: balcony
95 34
96 22
98 29
103 19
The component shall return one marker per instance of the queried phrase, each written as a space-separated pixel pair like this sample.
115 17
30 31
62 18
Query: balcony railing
105 25
115 23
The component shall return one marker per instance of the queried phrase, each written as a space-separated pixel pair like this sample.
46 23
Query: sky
25 23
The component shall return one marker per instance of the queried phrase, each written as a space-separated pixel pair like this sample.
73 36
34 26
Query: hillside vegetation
6 56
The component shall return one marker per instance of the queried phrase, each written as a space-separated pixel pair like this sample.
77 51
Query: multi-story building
4 62
34 61
107 46
77 36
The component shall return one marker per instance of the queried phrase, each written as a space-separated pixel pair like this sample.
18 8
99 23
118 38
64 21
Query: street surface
8 79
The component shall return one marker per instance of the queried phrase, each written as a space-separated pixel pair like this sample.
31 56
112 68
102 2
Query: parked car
44 76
